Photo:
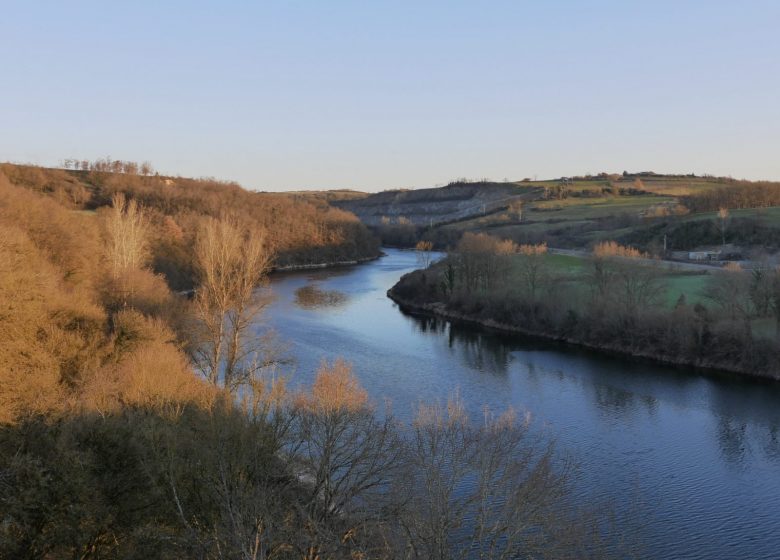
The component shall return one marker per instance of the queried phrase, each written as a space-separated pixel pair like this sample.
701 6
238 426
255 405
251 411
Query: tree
348 456
534 273
729 288
480 490
516 209
761 288
723 222
127 235
424 253
232 261
637 288
483 260
776 300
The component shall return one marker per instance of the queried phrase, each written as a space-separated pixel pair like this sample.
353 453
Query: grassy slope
592 216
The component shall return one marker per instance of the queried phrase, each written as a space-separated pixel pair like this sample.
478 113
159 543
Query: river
689 462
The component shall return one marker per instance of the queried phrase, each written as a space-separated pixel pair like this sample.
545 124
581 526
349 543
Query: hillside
575 212
456 201
299 230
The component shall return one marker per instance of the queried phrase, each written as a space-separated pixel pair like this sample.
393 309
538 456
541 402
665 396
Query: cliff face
436 205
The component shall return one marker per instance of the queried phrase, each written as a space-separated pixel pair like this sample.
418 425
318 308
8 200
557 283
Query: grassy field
573 270
588 218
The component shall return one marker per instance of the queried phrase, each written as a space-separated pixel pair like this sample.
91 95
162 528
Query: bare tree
479 490
637 288
533 269
730 290
127 232
776 300
347 457
723 222
424 252
233 262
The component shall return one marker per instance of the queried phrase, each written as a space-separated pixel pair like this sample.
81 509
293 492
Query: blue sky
375 95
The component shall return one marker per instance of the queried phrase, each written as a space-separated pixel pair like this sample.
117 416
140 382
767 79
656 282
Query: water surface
690 461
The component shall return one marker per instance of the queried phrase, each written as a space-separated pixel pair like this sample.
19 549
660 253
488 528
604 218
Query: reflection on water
698 456
312 296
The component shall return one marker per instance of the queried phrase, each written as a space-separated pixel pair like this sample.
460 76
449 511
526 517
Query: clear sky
373 95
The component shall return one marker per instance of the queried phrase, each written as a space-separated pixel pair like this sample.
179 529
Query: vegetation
615 300
138 423
654 213
296 231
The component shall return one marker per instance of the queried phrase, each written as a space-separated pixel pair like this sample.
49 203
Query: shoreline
300 267
333 264
438 310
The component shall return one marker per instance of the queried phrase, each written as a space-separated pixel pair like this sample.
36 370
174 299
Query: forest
615 301
140 422
297 232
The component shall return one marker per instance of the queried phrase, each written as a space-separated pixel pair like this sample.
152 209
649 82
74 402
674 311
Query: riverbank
331 264
702 362
661 443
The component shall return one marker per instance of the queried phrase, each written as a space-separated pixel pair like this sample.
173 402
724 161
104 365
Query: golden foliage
533 250
70 240
136 288
127 233
48 332
424 246
335 389
614 249
150 371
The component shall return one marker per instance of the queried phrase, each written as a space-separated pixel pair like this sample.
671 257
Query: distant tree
424 252
533 269
516 209
723 222
776 300
483 260
761 288
127 231
606 249
729 288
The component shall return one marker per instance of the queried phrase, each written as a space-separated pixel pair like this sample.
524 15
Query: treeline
298 232
108 165
617 306
740 194
138 424
743 231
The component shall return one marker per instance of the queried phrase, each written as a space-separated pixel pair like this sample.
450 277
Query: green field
573 270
